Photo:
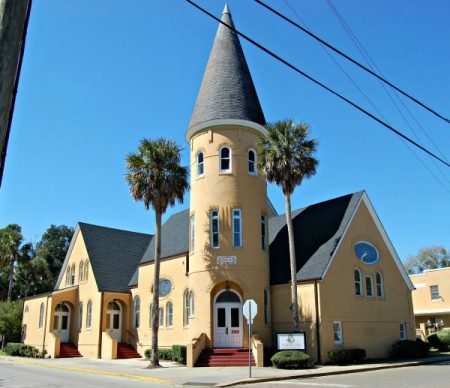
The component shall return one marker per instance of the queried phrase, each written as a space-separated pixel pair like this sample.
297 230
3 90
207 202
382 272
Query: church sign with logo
291 341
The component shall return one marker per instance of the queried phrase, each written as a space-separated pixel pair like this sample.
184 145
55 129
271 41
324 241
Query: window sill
200 177
225 172
436 300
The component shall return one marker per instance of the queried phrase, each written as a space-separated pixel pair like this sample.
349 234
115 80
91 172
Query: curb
339 372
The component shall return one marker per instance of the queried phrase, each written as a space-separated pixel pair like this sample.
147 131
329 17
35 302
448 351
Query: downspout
45 325
316 300
99 350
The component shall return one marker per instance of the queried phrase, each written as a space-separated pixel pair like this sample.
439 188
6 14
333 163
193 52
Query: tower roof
227 90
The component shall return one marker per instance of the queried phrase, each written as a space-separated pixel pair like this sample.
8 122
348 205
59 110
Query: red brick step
68 350
126 351
224 357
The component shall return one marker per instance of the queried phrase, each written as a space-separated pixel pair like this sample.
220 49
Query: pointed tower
228 259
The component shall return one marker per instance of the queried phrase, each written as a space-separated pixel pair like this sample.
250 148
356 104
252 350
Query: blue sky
98 76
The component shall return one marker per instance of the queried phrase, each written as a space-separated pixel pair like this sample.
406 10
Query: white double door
228 328
114 323
61 322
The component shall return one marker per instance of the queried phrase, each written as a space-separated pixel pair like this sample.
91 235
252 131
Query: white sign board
250 309
222 260
291 341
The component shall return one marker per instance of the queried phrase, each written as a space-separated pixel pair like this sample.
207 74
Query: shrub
164 354
290 359
409 349
179 353
20 350
346 356
440 340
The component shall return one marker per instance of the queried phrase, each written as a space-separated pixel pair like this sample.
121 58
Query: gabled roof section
227 90
113 253
174 237
317 231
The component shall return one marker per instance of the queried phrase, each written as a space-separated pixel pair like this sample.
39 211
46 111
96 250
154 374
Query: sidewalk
174 374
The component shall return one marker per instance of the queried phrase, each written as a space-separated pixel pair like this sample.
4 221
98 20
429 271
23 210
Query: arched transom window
225 159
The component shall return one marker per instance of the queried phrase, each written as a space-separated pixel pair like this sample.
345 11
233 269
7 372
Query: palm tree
286 157
156 177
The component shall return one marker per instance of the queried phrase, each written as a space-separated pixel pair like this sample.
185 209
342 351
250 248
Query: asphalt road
425 376
24 376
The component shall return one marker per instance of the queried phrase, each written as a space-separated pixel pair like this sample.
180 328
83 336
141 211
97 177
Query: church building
229 246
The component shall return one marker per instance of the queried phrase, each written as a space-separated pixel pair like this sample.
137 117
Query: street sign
250 309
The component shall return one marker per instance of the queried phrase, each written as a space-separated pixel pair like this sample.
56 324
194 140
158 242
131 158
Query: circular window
165 286
366 253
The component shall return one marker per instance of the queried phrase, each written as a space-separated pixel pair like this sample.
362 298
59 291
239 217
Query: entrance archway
114 320
228 327
61 322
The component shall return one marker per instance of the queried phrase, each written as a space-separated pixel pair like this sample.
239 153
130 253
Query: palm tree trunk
293 262
11 280
154 358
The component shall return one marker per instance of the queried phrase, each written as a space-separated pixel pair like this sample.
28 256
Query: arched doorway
228 328
114 320
61 322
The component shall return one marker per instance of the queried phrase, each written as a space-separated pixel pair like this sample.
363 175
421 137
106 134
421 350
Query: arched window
252 162
358 283
80 315
228 297
89 315
26 310
200 166
161 317
169 312
150 316
81 272
191 304
380 285
86 270
225 159
68 276
186 308
72 275
41 316
137 312
266 307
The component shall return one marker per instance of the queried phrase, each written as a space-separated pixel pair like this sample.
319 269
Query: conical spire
227 90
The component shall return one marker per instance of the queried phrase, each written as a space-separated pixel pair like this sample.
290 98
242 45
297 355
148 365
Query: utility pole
14 16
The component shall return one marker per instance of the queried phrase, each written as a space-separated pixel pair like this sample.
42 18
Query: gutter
316 300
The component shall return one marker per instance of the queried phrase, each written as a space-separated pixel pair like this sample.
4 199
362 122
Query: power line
352 60
297 70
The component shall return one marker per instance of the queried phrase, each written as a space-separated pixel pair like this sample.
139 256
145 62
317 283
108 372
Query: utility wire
371 63
352 60
372 103
297 70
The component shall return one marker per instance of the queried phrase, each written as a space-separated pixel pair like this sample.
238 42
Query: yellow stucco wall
424 307
369 323
30 322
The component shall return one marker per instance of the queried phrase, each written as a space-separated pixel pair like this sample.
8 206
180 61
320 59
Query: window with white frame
369 286
169 314
81 272
434 291
337 333
72 275
214 229
80 316
266 307
186 308
41 316
137 312
403 331
380 285
86 271
161 317
192 233
237 228
252 162
358 282
225 159
263 232
68 276
191 304
89 315
200 165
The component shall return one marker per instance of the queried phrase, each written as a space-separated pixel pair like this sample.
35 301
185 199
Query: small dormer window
251 162
225 159
200 166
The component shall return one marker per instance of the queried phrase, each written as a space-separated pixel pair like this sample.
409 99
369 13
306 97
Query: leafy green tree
32 278
11 320
428 258
156 177
286 157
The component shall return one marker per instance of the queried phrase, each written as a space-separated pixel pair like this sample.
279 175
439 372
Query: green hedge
21 350
440 340
409 349
176 353
290 359
346 356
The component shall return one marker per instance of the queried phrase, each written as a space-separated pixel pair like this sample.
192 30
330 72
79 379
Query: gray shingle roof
114 254
227 90
317 231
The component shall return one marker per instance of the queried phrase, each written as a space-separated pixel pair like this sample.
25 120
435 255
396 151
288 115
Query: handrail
134 337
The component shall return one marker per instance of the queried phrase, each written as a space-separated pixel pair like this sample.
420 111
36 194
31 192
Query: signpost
250 309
